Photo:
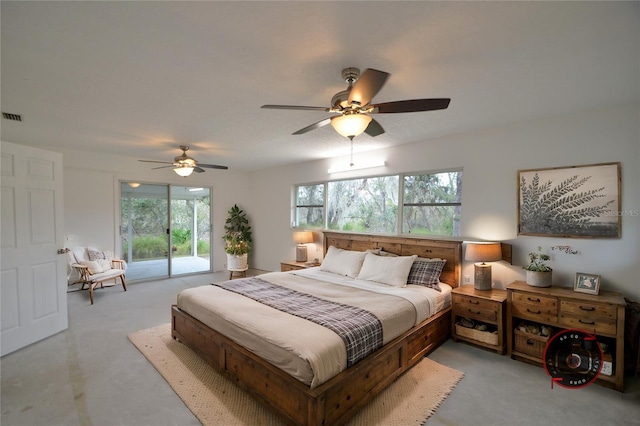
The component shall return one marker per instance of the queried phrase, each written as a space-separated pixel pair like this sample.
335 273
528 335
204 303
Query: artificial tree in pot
237 238
538 272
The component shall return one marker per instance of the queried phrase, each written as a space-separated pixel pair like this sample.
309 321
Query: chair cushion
95 267
111 273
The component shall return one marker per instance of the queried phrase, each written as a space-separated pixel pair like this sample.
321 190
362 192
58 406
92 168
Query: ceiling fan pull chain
351 164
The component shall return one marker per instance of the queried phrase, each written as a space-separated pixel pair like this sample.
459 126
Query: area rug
215 400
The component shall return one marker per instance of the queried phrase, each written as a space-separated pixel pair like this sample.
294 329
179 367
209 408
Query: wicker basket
480 336
530 344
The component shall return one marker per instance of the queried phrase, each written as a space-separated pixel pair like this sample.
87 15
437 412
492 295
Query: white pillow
343 262
387 270
104 264
94 266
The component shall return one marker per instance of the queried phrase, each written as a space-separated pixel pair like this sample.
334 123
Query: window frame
401 208
295 206
400 198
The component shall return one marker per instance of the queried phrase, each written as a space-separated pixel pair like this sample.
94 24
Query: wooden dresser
563 308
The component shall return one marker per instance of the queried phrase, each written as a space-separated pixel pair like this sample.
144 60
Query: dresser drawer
471 307
588 323
284 267
549 303
461 301
535 313
589 309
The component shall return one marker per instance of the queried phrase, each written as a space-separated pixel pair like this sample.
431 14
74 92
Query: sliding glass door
143 230
190 230
165 230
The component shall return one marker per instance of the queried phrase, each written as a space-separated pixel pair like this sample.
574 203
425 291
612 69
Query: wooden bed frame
338 399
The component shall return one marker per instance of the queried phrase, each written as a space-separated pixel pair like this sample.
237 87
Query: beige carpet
214 400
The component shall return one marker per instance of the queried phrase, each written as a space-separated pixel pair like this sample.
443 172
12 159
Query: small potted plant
237 238
538 272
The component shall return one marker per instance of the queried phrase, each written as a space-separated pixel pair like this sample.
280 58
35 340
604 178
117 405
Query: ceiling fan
184 165
353 105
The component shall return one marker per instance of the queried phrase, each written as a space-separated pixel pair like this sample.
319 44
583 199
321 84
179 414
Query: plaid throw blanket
360 330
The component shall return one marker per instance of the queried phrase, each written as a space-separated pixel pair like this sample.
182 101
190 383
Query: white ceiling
141 78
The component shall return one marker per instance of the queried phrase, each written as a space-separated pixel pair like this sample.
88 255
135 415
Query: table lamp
301 238
483 252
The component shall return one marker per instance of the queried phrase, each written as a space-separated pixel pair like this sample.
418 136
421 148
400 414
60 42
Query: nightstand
481 306
292 265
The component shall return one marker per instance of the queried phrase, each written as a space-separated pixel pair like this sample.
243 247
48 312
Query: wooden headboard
449 250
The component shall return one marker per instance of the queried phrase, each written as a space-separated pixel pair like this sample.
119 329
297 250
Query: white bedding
307 351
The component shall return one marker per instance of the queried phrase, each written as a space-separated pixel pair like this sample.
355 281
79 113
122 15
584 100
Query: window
432 204
363 205
310 206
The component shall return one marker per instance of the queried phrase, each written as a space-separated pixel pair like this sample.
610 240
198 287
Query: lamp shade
302 237
483 252
351 124
183 171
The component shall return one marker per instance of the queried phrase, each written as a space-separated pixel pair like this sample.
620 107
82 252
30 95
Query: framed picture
571 202
587 283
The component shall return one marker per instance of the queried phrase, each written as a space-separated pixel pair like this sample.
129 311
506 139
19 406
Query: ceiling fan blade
314 126
367 86
161 167
413 105
297 107
374 129
212 166
198 169
151 161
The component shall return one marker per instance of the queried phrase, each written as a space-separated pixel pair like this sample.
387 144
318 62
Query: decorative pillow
94 266
108 255
426 272
95 254
391 271
343 262
98 255
104 264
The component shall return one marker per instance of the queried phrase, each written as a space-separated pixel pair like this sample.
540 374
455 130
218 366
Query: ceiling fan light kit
183 171
351 125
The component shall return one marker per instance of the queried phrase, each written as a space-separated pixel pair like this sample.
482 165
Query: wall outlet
467 279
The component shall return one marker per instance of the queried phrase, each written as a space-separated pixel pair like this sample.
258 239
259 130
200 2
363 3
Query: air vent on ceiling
9 116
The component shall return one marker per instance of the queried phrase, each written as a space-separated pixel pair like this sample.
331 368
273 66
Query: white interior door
33 288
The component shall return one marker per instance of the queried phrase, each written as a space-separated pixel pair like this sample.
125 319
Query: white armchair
91 267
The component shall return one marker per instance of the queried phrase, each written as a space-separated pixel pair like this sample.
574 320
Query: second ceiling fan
353 105
184 165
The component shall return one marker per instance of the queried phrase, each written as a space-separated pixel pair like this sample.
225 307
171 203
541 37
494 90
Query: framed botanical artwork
587 283
573 202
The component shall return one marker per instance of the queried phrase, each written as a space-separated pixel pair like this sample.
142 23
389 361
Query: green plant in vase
538 272
237 238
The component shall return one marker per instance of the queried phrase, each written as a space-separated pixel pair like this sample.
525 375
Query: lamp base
482 277
301 253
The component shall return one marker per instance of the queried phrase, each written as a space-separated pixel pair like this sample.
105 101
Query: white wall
491 159
92 197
